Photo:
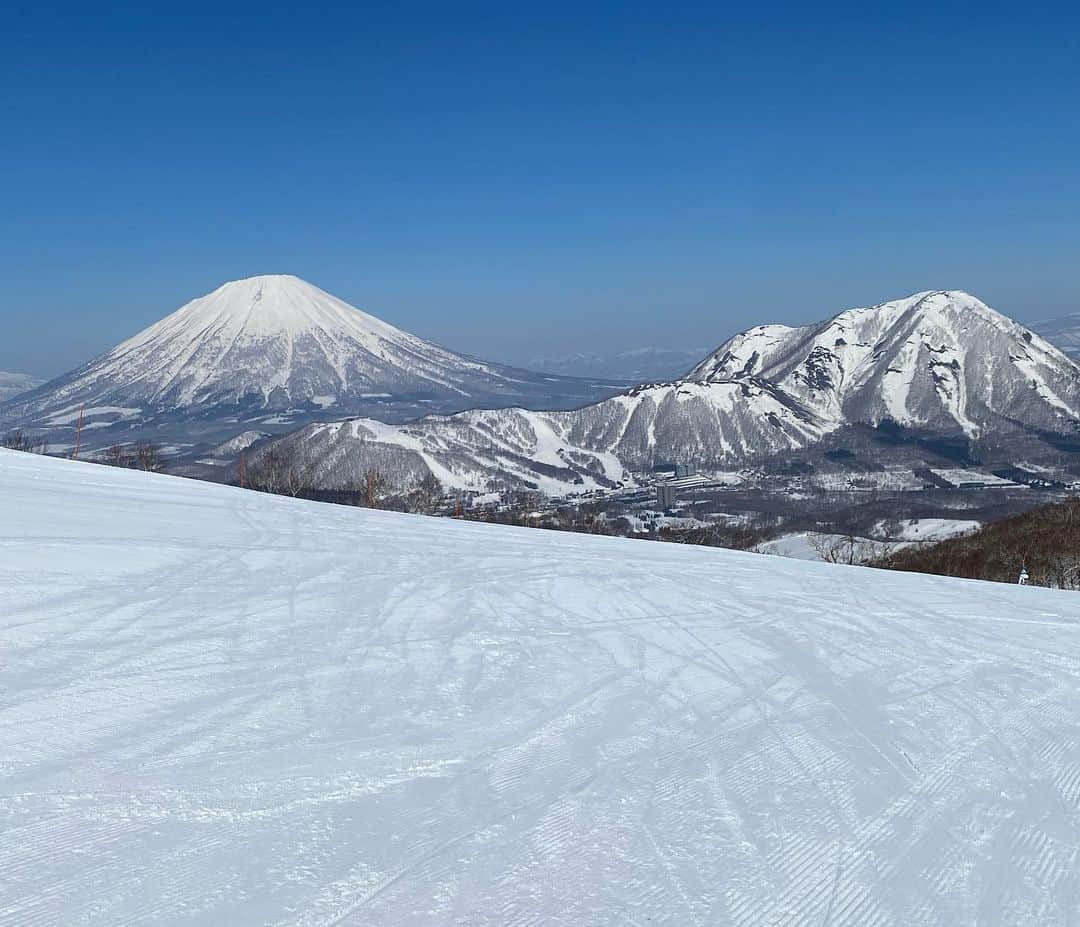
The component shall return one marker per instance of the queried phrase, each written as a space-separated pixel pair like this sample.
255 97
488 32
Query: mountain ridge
837 365
940 362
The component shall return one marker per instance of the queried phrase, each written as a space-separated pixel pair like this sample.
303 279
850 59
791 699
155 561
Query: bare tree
262 471
142 456
18 440
276 471
847 549
266 471
426 497
118 456
295 482
148 457
891 529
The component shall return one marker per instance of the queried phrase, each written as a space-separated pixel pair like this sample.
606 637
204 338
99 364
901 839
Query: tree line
1044 541
142 455
277 471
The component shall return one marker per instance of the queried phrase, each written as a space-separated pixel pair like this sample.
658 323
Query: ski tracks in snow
217 707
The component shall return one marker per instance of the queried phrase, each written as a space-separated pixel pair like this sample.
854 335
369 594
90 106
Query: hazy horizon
524 352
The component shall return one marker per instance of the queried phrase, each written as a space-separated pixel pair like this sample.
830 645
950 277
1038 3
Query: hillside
1045 541
599 446
225 707
272 352
934 367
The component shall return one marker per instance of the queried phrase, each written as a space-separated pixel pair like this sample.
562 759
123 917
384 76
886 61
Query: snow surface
808 545
203 340
72 414
956 476
219 707
799 545
229 449
936 529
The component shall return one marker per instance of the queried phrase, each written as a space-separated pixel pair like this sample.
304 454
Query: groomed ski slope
219 707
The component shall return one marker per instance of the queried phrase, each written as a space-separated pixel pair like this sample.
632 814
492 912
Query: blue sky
512 180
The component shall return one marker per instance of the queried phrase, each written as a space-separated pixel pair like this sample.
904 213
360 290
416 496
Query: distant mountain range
271 353
637 365
275 359
12 384
1064 332
938 364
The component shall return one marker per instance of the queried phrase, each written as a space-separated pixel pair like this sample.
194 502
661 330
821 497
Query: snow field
221 707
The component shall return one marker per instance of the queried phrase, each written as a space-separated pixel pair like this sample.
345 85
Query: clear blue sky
511 179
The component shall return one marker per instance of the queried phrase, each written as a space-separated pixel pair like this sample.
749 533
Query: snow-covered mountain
278 351
13 384
223 707
940 362
1063 332
599 446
